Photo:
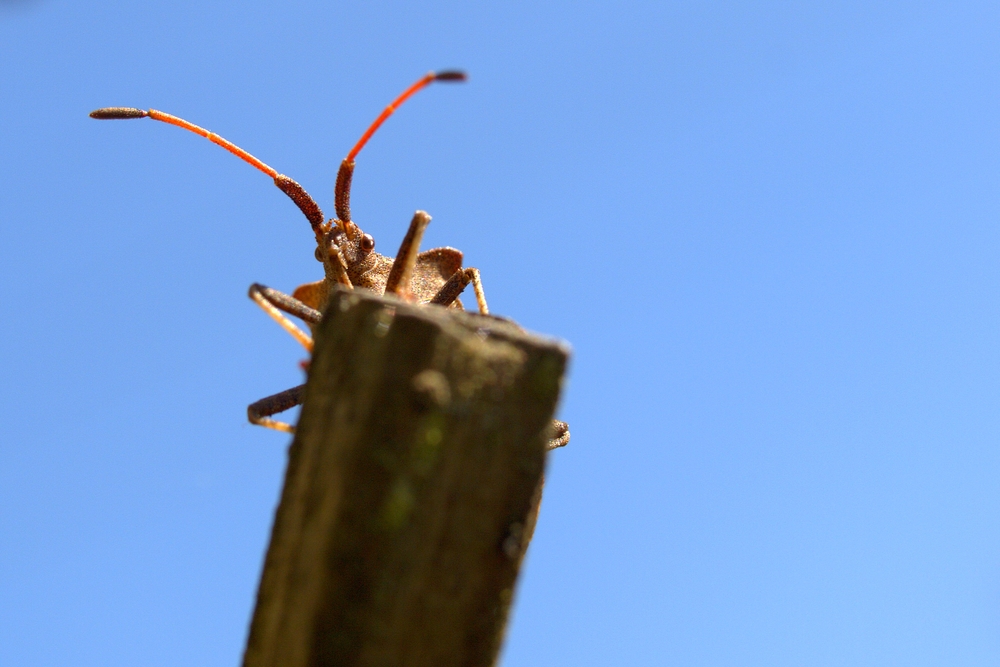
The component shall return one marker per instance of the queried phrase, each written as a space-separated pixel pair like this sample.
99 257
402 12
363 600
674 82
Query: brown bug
348 254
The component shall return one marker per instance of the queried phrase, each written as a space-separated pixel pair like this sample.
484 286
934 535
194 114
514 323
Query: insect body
347 253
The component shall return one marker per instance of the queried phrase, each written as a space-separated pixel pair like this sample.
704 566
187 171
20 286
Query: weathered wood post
411 490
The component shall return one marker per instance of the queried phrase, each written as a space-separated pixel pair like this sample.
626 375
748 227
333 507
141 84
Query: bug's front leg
401 274
457 284
273 302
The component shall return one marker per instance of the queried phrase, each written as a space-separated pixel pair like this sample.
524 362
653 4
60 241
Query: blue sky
769 230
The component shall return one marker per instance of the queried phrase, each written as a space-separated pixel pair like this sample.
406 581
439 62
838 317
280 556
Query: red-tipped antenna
121 113
296 192
396 103
342 192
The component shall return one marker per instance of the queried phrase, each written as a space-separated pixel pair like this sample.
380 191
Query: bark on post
411 489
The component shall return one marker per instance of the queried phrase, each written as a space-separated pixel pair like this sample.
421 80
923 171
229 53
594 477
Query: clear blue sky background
769 230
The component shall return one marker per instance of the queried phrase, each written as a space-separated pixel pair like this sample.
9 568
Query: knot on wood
432 389
513 544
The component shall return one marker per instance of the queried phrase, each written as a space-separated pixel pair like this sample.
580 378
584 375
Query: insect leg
401 273
259 412
447 295
457 284
273 302
561 435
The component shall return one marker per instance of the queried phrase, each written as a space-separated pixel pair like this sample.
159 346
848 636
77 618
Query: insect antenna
342 191
290 187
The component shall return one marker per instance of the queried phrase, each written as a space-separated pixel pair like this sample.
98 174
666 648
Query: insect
347 253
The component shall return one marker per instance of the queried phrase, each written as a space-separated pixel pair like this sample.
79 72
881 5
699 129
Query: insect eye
367 243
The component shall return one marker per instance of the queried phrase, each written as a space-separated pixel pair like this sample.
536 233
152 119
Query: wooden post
411 490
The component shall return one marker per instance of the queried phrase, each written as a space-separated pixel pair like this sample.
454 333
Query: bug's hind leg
457 284
447 295
260 412
560 432
273 302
